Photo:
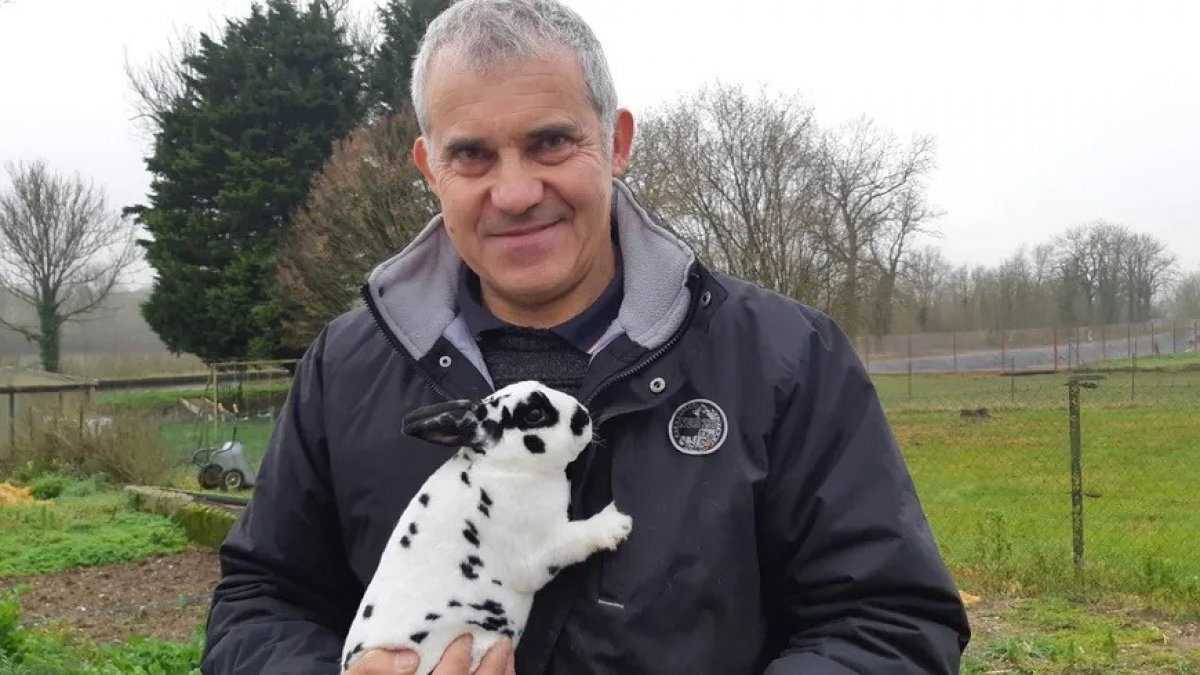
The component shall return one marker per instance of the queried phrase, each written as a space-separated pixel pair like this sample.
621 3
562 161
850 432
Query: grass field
1055 636
998 494
84 530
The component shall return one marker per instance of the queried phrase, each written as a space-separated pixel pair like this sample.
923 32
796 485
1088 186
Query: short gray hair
485 33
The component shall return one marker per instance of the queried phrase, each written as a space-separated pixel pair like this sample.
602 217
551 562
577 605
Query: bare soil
165 597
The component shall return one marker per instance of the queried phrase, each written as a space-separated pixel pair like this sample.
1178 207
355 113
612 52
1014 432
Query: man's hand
499 660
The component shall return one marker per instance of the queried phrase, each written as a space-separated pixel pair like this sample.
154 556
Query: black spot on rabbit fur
535 445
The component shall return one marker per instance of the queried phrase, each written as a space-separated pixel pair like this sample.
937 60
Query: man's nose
516 189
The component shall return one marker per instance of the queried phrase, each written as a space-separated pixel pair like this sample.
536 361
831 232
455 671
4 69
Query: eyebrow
454 146
554 129
568 129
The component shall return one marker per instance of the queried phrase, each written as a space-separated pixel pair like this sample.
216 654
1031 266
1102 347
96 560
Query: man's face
518 160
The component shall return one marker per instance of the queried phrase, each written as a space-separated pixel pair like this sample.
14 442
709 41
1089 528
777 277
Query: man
776 528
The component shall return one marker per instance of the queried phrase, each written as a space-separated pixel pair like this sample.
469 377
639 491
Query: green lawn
91 529
1055 636
998 494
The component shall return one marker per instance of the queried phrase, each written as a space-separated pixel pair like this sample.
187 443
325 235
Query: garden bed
164 597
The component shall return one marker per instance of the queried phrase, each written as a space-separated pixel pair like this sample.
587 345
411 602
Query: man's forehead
513 98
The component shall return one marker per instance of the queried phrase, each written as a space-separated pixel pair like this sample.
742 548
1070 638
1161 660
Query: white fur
524 535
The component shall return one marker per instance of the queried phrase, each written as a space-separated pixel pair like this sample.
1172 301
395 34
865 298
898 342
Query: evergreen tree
234 153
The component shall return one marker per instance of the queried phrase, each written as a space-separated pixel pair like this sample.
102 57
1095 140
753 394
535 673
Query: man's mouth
526 230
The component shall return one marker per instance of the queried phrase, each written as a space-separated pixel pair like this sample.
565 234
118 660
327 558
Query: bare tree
906 217
64 251
927 280
731 172
863 170
1114 273
1147 267
159 82
367 203
1185 303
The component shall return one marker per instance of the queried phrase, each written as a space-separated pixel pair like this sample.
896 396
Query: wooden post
1076 475
910 367
12 421
1054 333
954 348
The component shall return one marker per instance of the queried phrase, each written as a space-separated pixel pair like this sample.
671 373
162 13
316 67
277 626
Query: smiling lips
526 230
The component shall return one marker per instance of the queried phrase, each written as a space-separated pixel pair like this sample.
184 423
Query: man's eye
554 140
469 154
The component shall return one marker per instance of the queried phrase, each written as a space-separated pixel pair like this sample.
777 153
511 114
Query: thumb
386 662
404 663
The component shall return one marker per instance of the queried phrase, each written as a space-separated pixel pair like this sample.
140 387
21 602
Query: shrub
126 448
48 486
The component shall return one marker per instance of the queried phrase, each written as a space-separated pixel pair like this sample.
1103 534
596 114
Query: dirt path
164 596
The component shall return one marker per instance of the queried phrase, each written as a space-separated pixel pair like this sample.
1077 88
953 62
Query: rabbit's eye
535 416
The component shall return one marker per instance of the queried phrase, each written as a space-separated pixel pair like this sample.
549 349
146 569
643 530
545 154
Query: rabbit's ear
452 424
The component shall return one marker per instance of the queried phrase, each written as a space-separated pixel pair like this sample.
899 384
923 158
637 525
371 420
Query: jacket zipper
391 338
645 363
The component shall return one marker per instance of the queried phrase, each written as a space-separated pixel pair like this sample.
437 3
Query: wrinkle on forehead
464 95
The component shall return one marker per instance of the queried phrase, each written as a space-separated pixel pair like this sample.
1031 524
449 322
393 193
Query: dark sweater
515 354
558 357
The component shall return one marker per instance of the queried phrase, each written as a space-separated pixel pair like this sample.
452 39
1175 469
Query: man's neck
558 310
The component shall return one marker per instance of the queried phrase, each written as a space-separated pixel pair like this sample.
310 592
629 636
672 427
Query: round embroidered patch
698 427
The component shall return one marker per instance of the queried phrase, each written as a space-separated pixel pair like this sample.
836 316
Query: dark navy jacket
776 528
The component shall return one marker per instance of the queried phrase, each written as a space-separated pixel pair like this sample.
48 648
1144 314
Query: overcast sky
1046 114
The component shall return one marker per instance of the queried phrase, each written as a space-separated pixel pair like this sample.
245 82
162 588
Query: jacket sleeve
286 594
863 586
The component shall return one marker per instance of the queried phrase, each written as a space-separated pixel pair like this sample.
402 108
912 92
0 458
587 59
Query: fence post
1073 385
954 348
1174 337
1133 377
1012 380
12 420
1054 334
910 368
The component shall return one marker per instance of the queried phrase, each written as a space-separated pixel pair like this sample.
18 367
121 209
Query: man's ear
422 158
622 142
451 424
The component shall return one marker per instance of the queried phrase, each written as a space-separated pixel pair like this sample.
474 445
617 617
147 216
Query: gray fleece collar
415 289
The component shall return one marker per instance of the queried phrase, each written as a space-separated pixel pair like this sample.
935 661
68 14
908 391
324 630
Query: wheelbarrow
224 466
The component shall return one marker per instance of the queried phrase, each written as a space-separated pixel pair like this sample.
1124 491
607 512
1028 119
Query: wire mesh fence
1029 493
1033 349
